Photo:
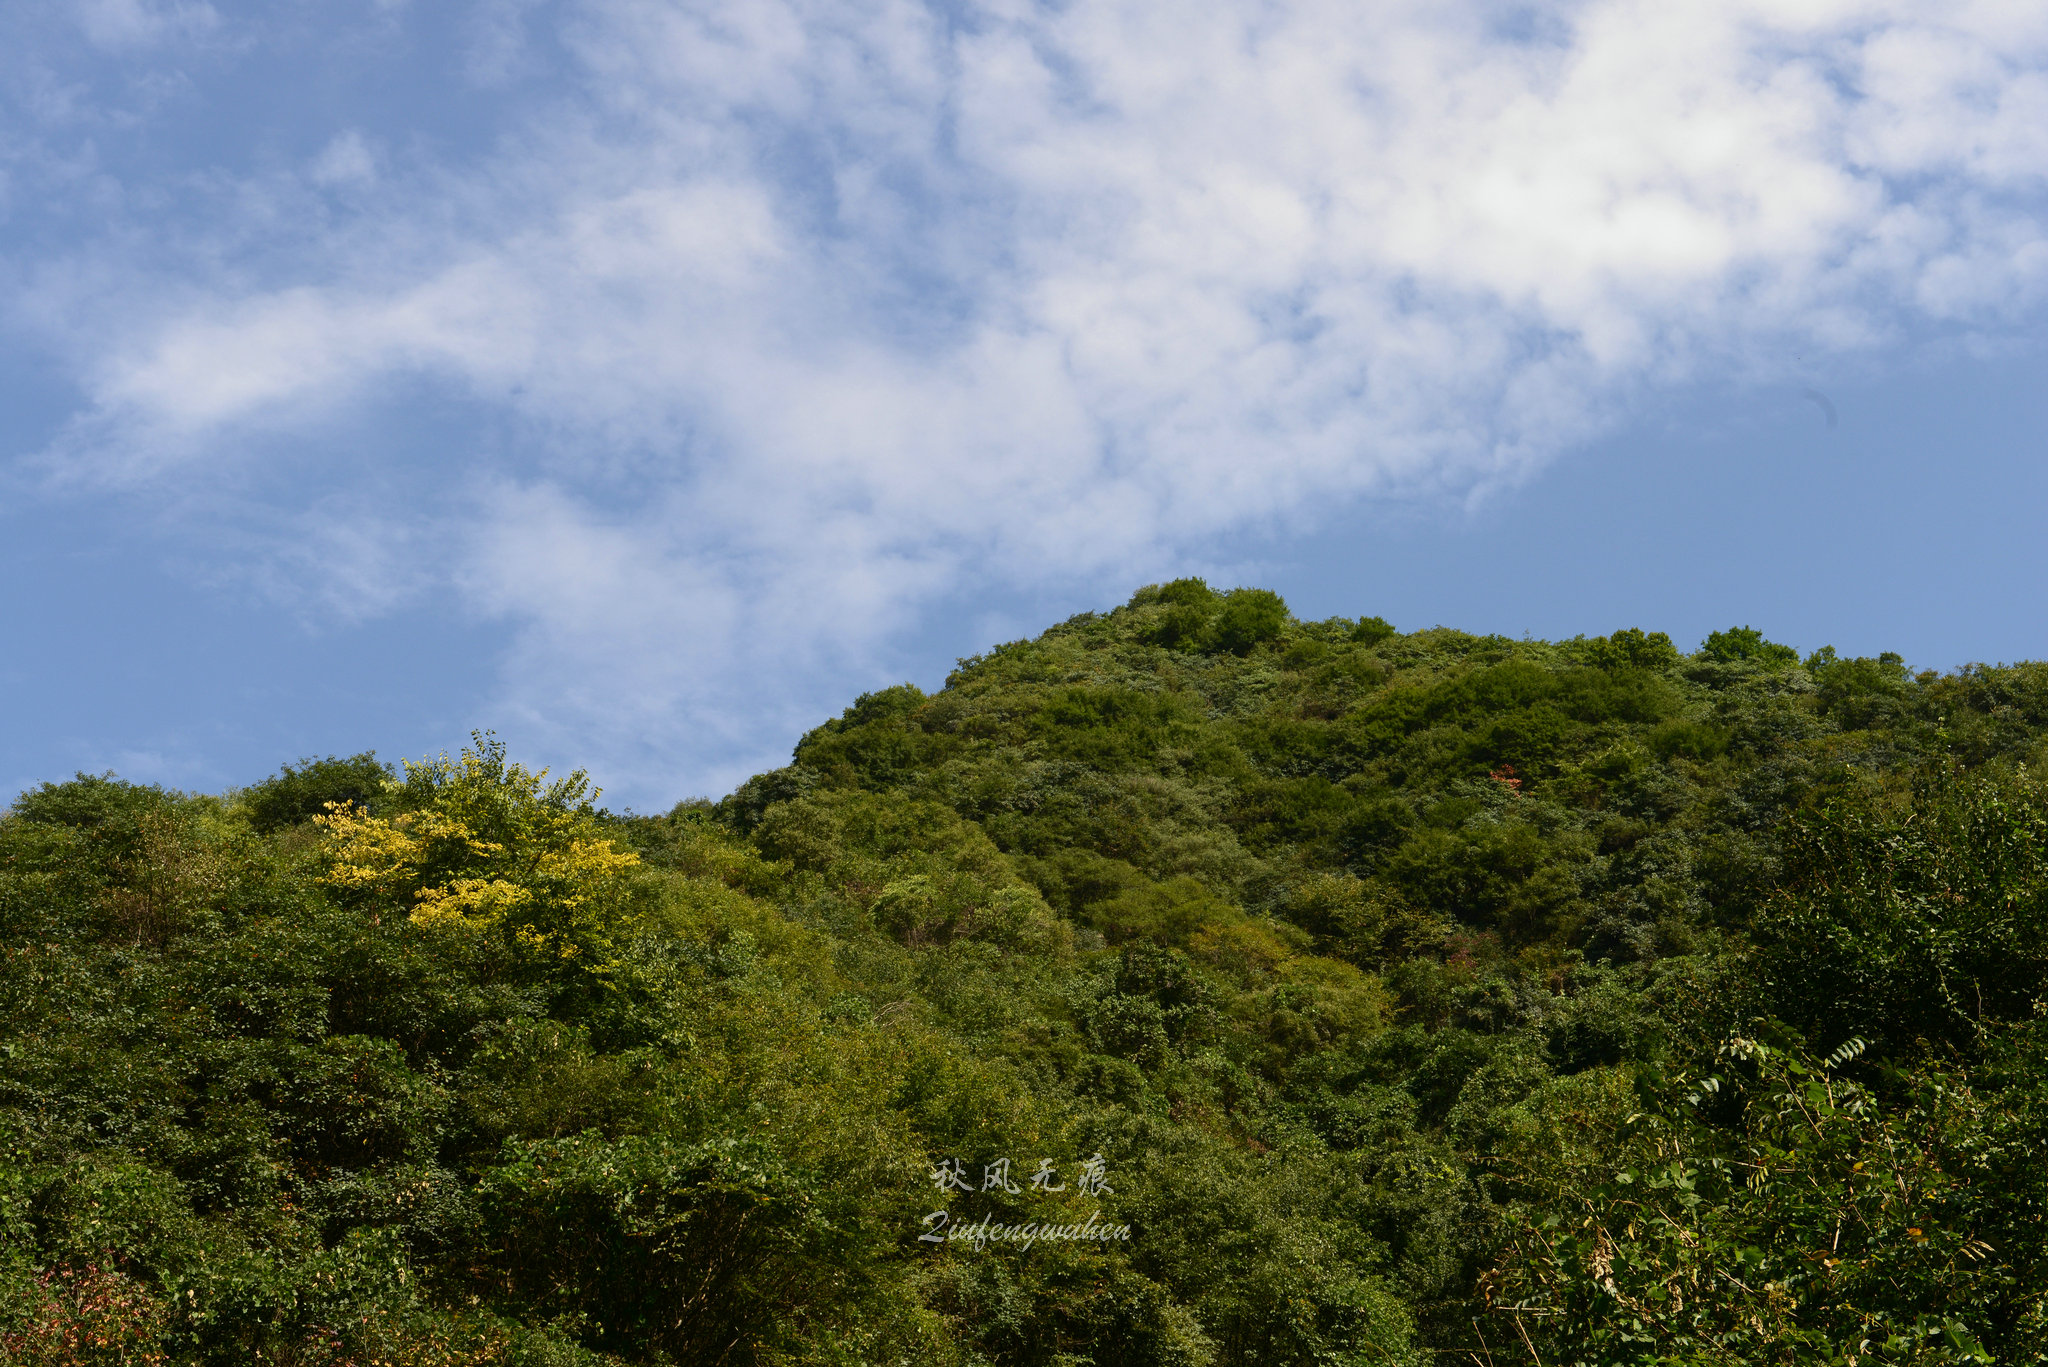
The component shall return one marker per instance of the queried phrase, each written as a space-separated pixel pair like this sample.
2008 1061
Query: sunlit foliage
1423 997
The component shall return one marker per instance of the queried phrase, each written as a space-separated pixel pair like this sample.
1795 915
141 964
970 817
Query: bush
1776 1211
300 792
1250 617
1189 592
1746 643
707 1252
1632 648
1370 631
1862 693
1916 927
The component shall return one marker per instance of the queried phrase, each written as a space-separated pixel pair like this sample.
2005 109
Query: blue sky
642 379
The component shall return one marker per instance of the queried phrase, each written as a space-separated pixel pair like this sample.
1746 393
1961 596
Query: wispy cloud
805 315
127 24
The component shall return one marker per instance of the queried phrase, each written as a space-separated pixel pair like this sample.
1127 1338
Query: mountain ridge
1395 994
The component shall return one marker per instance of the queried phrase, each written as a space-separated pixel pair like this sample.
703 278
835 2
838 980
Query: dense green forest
1192 984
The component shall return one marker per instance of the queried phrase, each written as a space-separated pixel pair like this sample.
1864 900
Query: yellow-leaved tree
482 844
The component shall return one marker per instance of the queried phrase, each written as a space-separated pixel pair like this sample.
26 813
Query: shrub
300 792
1372 630
1250 617
1746 643
1632 648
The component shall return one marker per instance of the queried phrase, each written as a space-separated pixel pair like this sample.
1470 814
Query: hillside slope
1191 984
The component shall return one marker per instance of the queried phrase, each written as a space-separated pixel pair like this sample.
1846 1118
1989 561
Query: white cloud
347 160
498 41
817 311
119 24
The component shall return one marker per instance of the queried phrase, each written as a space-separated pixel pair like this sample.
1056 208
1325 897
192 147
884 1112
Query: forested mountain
1189 985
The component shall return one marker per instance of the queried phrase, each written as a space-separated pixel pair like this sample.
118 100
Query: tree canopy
1192 984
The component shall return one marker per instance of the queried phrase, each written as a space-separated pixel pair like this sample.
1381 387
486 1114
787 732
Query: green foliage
1188 615
1632 648
1862 693
1370 631
1779 1212
100 803
1747 643
1190 606
1250 617
1428 997
1919 919
706 1252
1179 593
301 792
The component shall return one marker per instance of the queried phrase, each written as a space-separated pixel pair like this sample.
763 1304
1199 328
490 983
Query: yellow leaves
439 827
366 854
538 944
483 845
583 864
470 901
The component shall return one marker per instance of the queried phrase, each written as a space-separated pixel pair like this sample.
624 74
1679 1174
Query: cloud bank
788 319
